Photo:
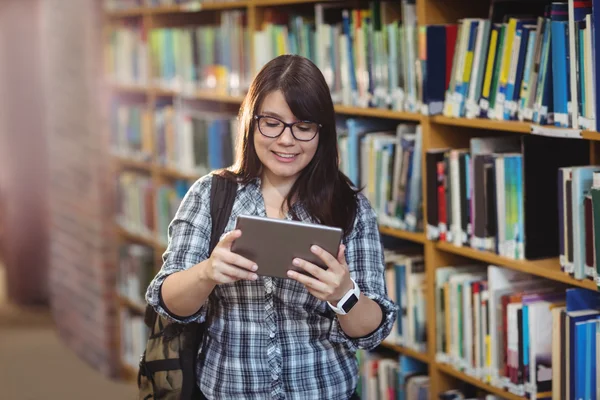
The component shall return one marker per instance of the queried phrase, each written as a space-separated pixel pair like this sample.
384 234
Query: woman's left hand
326 284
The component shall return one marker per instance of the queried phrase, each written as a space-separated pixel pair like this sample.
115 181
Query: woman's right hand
223 266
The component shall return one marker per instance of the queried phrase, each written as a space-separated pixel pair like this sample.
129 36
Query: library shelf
129 87
135 237
173 173
476 382
132 163
548 268
480 123
126 12
132 306
197 6
377 113
417 237
405 351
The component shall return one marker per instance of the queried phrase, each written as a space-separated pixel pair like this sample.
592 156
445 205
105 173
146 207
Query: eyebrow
272 114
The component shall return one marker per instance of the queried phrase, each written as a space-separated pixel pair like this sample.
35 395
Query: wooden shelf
134 237
129 88
479 123
129 12
174 174
547 268
406 351
130 305
131 163
377 113
417 237
476 382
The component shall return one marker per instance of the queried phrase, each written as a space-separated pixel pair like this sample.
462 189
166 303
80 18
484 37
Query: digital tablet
274 243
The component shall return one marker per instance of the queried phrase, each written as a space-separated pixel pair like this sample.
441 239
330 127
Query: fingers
311 284
316 271
341 257
237 260
235 273
228 238
327 258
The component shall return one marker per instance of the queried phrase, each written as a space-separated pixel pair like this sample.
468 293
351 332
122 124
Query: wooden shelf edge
417 237
481 123
128 12
476 382
130 305
378 113
406 351
132 163
134 237
546 268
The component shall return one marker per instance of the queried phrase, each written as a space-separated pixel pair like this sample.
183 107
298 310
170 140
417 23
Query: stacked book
384 158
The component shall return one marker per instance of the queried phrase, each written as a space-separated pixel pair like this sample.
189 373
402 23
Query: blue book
582 299
408 367
578 380
560 63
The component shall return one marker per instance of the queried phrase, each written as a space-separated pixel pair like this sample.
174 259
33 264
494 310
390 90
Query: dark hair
325 192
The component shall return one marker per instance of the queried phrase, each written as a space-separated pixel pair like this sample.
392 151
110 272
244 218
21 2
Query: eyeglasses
272 127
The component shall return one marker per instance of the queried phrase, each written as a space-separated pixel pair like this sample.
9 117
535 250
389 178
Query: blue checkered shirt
270 338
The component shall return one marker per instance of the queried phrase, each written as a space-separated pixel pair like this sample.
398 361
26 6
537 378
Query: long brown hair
323 190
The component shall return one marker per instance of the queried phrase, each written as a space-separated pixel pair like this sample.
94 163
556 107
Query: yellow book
489 67
506 57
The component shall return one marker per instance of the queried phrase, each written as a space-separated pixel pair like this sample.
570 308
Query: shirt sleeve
189 238
364 255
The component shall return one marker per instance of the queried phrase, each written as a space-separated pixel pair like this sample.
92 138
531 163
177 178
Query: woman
270 338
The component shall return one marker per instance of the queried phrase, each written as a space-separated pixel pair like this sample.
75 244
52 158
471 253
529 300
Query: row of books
126 54
205 57
522 334
144 209
131 130
135 271
579 221
529 66
134 335
382 377
405 283
367 55
194 142
384 158
184 139
496 194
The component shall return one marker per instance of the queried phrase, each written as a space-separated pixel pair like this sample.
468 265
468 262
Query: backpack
167 369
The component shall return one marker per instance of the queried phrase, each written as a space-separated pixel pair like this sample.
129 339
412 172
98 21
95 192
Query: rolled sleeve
364 255
189 238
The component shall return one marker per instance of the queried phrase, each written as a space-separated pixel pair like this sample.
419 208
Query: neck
275 188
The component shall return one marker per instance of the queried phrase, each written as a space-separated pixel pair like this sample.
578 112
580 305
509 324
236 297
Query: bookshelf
437 131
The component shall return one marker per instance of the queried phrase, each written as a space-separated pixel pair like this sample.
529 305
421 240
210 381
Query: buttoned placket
274 356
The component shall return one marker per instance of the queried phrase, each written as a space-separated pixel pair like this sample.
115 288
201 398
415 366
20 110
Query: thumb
342 254
228 238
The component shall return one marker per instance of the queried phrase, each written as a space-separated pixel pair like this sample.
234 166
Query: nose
286 138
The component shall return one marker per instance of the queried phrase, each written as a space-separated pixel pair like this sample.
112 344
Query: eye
306 126
271 122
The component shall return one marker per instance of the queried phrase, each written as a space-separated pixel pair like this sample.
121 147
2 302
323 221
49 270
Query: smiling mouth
285 155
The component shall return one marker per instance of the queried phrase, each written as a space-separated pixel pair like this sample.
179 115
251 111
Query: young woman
270 338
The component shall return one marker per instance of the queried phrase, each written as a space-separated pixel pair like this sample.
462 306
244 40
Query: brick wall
82 269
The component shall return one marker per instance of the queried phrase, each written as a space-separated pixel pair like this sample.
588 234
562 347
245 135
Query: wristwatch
344 306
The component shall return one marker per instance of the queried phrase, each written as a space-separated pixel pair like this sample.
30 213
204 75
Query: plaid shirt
270 338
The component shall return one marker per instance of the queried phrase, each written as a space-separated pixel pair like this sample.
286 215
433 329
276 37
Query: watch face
352 300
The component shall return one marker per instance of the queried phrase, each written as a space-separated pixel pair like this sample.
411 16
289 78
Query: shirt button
269 290
272 335
274 376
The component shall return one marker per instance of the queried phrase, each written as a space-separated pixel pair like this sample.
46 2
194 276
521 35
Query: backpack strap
222 196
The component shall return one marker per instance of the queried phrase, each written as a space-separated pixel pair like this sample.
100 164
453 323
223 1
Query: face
283 157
